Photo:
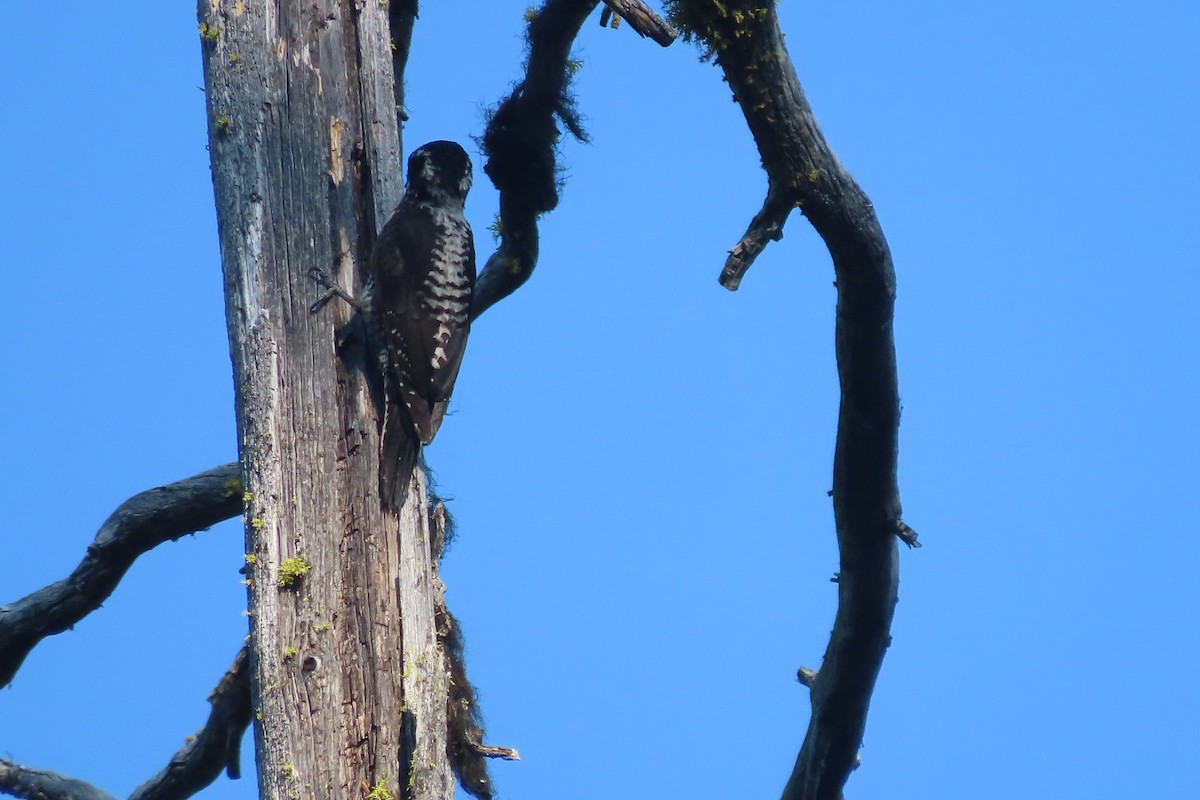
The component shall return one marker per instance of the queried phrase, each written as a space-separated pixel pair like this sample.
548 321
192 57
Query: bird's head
439 171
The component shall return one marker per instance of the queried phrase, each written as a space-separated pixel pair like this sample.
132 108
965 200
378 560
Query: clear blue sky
639 459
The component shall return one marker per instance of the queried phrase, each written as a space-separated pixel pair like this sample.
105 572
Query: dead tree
346 671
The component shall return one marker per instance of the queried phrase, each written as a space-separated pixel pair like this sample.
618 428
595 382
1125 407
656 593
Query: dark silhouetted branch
218 745
38 784
141 523
520 143
522 136
401 16
196 765
745 39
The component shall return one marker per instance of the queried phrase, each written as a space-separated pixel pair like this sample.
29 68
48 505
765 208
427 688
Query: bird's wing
427 352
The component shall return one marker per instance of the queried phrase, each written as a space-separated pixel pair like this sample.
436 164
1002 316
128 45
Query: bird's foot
332 290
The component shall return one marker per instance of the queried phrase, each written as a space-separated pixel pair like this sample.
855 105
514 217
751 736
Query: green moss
209 33
289 653
380 792
233 486
251 559
293 569
322 626
712 23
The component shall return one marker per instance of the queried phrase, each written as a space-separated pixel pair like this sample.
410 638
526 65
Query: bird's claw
332 290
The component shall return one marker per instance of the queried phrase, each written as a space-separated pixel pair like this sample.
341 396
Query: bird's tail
397 459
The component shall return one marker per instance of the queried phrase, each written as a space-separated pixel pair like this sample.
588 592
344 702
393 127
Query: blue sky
639 459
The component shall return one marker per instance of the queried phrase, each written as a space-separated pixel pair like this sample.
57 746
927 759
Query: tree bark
347 683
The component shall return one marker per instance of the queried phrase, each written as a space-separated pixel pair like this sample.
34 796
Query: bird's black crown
439 170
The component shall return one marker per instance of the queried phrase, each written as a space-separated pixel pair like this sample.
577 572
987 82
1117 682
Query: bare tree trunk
306 166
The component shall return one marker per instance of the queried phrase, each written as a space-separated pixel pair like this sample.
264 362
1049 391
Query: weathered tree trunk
306 167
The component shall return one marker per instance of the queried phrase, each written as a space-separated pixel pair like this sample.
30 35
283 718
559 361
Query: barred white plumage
419 296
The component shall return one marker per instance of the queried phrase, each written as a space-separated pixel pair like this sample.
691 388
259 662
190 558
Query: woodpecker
417 304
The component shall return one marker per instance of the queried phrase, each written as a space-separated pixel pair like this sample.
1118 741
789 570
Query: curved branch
40 784
196 765
747 43
218 745
139 524
520 143
522 135
745 39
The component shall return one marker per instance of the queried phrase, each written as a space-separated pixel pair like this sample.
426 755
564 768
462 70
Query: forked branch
745 39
